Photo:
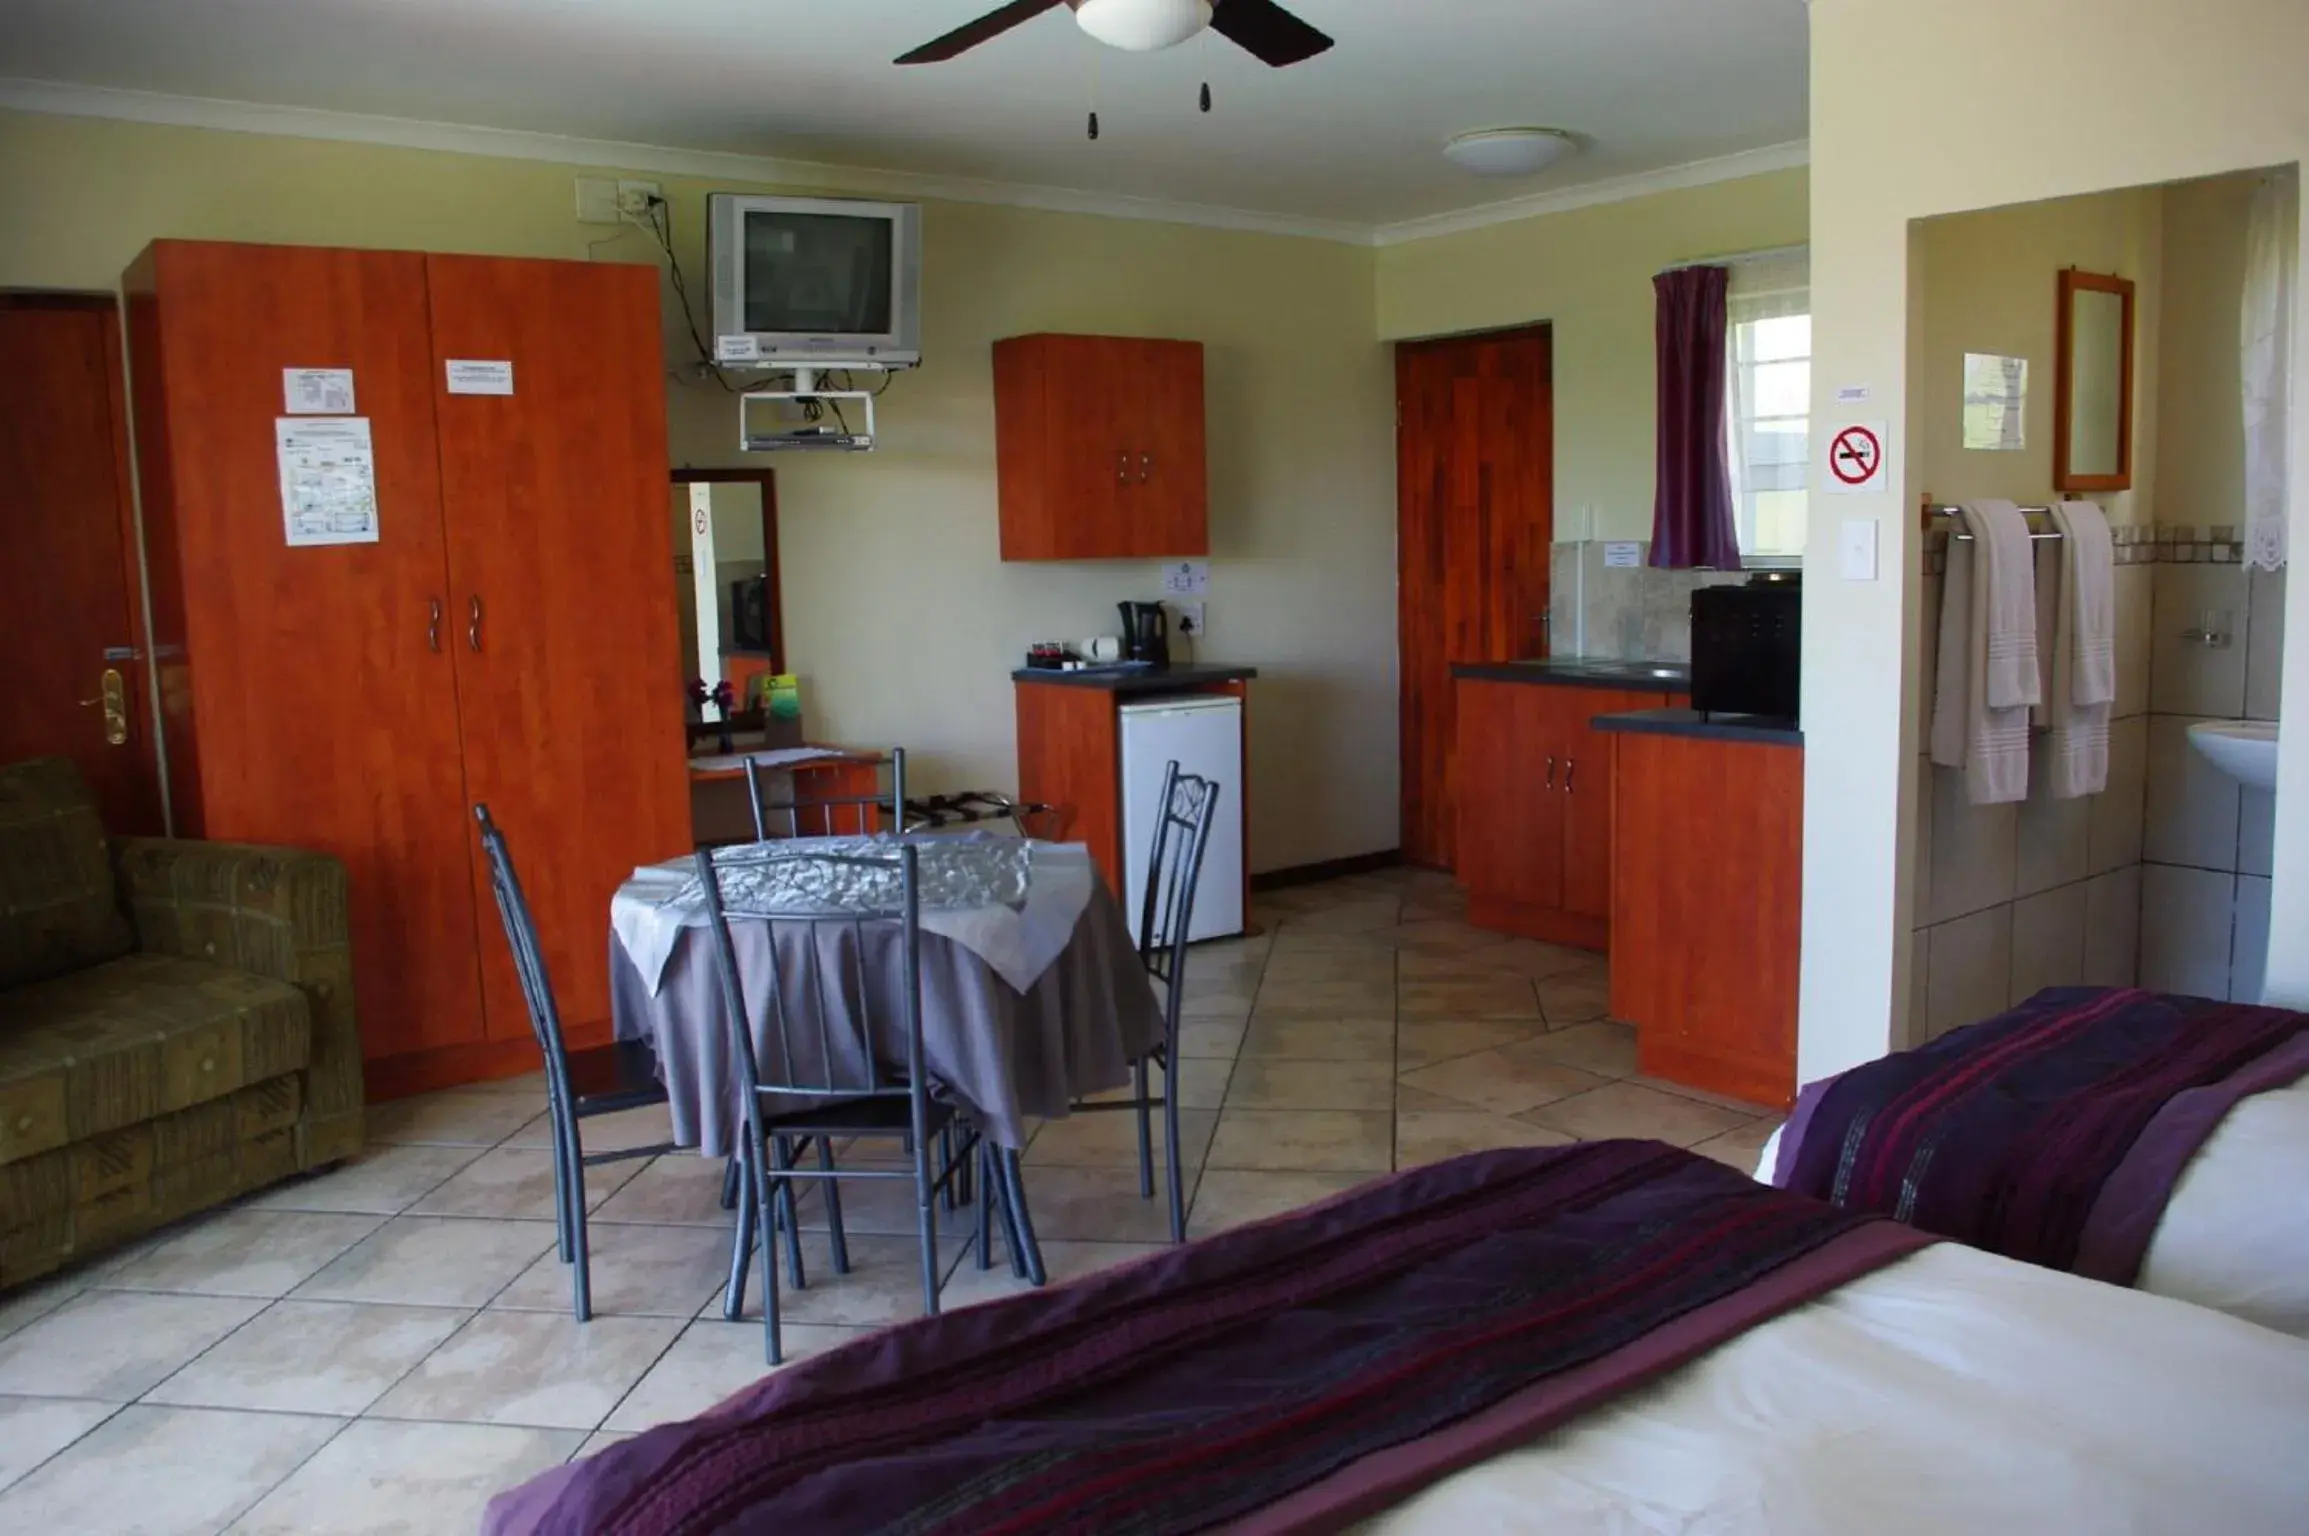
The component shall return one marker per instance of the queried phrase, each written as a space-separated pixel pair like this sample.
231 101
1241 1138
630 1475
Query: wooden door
1475 499
1511 842
307 702
1169 500
562 599
71 617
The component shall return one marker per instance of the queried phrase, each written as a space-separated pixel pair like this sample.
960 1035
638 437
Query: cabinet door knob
1145 467
1551 771
433 625
1122 467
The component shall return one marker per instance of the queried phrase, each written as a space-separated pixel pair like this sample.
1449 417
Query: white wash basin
2245 750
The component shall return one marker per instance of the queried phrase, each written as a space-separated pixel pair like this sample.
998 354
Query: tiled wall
2205 883
2012 898
1623 613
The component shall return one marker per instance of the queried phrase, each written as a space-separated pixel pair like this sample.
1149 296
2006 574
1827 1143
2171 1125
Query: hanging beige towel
2084 670
2004 579
1990 743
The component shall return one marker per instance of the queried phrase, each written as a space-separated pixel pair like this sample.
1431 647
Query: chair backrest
833 815
1175 870
528 955
820 1037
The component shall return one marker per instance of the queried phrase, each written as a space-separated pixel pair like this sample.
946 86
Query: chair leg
833 1198
767 1192
741 1239
1171 1155
998 1198
581 1264
984 1239
730 1188
560 1188
1014 1199
1145 1137
782 1159
948 1195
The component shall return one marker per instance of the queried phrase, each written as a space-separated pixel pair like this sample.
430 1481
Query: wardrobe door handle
1122 467
1568 765
433 625
1551 771
1145 467
473 624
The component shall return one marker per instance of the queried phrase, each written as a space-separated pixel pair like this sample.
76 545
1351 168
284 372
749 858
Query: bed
2123 1135
1613 1336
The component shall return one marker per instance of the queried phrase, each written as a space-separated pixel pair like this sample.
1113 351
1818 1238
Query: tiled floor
381 1348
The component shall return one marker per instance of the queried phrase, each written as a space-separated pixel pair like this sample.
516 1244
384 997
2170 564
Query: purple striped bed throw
2054 1133
1293 1376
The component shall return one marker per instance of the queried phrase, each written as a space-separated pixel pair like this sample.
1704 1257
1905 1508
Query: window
1768 404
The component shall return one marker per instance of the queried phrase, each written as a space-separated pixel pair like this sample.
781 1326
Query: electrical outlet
1191 621
634 198
597 201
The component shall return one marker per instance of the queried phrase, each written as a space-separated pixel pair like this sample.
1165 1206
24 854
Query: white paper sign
1187 578
1621 557
328 480
1851 394
317 391
480 376
737 349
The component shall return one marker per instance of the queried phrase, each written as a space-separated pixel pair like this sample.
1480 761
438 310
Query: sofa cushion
58 912
138 1037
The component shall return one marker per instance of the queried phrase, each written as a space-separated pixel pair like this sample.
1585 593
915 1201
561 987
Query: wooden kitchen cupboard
1099 448
508 637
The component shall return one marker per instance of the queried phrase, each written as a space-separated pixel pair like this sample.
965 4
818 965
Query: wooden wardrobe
508 638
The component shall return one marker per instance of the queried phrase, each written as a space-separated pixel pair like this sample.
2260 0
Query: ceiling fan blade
991 25
1267 31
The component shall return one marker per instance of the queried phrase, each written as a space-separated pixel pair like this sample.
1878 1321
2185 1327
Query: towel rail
1966 538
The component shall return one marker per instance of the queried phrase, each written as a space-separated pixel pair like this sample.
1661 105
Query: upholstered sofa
176 1023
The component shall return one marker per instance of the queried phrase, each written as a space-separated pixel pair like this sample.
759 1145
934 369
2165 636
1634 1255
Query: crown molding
68 100
1695 173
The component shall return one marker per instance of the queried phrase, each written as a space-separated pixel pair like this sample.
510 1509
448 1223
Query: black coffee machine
1748 646
1146 634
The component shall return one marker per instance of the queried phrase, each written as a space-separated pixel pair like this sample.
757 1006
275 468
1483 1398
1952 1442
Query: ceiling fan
1260 27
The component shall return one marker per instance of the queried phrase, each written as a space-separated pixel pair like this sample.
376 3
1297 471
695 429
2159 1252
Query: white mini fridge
1204 732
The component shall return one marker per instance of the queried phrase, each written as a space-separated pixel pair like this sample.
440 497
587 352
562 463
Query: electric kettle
1146 634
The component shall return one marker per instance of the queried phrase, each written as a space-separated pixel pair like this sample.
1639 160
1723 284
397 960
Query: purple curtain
1692 507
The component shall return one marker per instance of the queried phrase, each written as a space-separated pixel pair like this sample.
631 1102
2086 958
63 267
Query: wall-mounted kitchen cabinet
1099 448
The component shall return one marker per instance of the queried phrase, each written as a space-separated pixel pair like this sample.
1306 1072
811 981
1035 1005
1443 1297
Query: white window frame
1767 287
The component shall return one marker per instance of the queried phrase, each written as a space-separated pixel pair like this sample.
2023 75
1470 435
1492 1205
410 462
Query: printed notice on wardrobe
480 376
317 391
328 480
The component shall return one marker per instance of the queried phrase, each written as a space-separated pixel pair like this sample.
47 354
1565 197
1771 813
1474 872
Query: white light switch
1858 549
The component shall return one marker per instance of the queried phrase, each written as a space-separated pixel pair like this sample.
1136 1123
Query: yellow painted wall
901 617
2201 418
1588 272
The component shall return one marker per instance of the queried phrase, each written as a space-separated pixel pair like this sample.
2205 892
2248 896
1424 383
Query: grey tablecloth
1001 1055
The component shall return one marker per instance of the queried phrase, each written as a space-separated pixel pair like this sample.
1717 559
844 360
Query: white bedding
2236 1232
1953 1393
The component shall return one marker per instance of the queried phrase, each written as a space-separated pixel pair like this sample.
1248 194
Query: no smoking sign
1856 458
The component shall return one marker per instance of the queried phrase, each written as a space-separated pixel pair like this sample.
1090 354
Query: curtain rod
1740 258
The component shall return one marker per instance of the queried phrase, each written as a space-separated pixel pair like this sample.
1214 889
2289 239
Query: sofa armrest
280 912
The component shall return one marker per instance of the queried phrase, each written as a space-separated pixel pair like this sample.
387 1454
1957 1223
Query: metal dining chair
579 1084
825 1074
837 815
1166 913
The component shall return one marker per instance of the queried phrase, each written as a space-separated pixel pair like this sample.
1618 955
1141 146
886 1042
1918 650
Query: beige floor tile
424 1261
1720 1100
1202 1083
1096 1205
461 1117
649 1126
243 1253
1534 960
32 1429
1632 1110
1408 1099
1742 1146
1507 1081
1602 1047
28 1304
1498 996
884 1285
164 1471
115 1345
531 1084
636 1272
714 1360
1304 1141
1296 1039
383 1181
1062 1261
1231 1198
1430 1136
1262 1084
1356 915
1424 1042
516 1183
1211 1039
680 1189
1431 935
1326 1000
1575 999
1298 966
1109 1138
879 1206
539 1369
326 1357
380 1477
1229 1006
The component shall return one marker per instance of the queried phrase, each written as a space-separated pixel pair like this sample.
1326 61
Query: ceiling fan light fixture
1505 151
1143 26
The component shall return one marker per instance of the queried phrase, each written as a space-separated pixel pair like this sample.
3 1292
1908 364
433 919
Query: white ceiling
1351 137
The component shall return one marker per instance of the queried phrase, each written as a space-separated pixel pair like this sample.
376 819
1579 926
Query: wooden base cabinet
508 635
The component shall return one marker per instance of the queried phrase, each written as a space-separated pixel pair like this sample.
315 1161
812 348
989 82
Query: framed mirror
2092 438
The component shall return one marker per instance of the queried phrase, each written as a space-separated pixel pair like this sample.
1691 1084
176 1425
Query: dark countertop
1140 680
1582 672
1763 730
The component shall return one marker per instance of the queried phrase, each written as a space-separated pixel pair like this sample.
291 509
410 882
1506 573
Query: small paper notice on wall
317 391
328 480
1621 557
480 376
1851 394
1187 578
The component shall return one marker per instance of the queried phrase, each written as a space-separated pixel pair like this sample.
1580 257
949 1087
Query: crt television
815 282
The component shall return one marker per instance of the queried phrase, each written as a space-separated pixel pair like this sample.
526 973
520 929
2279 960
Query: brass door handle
473 623
112 697
433 625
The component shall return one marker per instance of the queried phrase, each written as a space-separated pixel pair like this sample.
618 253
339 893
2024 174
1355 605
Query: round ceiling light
1142 26
1506 151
